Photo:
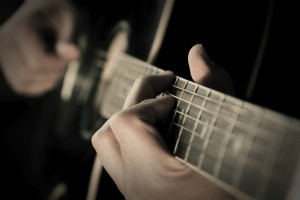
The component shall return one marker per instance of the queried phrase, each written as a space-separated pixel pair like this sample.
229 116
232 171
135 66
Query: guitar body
133 31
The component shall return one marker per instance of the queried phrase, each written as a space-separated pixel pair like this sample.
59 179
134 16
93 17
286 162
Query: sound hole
104 67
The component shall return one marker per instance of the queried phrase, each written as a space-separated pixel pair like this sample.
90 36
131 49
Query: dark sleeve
7 8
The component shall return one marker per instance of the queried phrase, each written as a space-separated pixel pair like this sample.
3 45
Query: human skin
28 66
133 152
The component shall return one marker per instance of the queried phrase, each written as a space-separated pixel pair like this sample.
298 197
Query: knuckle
143 80
119 118
123 119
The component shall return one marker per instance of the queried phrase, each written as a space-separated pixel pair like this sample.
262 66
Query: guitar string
258 154
237 125
142 70
100 54
228 148
255 155
132 78
183 90
220 156
246 128
232 108
242 125
239 171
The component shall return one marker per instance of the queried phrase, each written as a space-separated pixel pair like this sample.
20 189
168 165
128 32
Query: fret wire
215 128
251 163
118 99
251 136
132 74
205 97
243 112
227 118
229 133
141 63
209 100
132 70
194 127
226 105
121 80
184 119
119 96
267 172
127 57
225 132
223 148
211 127
173 117
205 139
155 68
205 127
180 132
199 168
242 162
186 90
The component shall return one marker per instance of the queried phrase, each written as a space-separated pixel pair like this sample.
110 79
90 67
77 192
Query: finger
38 86
56 24
151 112
207 73
39 60
199 63
148 87
36 77
64 21
67 51
133 127
108 151
26 39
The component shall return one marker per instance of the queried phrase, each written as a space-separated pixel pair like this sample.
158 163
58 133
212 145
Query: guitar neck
248 150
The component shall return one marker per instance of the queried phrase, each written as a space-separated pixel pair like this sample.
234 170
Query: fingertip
168 74
155 110
196 47
199 63
199 50
164 106
67 50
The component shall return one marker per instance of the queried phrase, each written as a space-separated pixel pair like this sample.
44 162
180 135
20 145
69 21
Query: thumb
205 72
199 63
67 51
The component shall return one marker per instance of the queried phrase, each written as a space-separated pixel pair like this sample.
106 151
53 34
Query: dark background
231 33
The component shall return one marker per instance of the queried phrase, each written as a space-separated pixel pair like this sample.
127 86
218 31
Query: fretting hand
133 152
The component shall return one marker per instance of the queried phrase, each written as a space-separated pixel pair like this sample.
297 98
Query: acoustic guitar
248 150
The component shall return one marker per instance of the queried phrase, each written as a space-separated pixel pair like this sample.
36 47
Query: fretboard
248 150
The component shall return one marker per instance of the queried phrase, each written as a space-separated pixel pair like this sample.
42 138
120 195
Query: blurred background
254 41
